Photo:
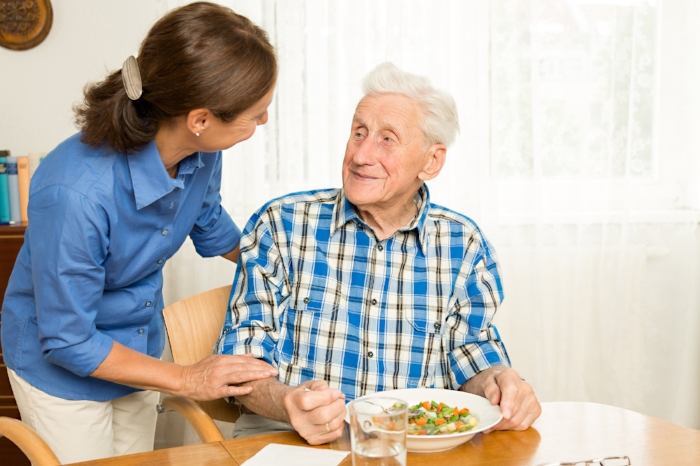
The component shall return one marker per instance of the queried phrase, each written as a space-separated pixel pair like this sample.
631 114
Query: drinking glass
378 431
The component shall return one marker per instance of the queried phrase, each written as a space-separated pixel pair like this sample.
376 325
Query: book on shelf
4 192
13 190
15 175
23 183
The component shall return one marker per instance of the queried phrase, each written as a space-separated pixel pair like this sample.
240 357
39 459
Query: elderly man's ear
436 159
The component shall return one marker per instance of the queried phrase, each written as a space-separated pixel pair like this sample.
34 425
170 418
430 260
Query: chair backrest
194 325
31 444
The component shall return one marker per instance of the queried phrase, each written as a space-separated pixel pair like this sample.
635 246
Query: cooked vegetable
432 418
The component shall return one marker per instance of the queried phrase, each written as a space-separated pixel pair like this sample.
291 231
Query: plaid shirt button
370 354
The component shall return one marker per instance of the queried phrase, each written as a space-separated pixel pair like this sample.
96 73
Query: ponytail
108 117
201 55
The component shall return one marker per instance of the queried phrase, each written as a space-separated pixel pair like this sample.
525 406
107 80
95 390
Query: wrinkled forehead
388 111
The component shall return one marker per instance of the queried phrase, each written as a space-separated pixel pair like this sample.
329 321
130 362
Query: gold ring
328 428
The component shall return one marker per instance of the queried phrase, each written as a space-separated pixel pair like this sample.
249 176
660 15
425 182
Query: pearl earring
196 134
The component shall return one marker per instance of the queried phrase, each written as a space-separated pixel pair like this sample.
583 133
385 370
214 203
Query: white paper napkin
296 456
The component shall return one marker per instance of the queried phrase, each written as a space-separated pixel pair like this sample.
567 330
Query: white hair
440 122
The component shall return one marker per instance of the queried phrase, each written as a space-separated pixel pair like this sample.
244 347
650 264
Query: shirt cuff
83 358
221 238
260 349
468 360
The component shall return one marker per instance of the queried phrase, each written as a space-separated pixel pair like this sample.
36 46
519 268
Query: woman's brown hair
201 55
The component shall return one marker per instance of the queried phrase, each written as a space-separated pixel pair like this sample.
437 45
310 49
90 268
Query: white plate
480 407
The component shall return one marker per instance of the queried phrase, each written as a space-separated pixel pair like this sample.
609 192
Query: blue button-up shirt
317 294
101 226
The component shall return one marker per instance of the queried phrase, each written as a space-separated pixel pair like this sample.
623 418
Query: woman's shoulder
74 147
72 164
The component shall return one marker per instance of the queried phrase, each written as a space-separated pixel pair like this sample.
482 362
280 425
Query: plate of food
442 419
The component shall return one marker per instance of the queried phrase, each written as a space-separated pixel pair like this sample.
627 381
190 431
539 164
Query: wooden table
566 431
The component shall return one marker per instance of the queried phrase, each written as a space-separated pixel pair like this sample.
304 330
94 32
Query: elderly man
371 287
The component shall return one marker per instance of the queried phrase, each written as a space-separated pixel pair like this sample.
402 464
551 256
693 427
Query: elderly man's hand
502 385
316 411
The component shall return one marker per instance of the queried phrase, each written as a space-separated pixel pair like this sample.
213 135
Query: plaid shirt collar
344 212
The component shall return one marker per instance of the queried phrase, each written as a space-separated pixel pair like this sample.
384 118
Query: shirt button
436 325
148 303
165 232
380 247
160 261
374 302
141 331
306 300
370 354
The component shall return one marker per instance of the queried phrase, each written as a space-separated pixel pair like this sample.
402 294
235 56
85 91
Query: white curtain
579 156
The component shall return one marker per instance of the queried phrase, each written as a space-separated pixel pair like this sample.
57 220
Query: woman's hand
217 376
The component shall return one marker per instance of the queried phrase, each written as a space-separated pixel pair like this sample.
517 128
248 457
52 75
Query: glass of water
378 431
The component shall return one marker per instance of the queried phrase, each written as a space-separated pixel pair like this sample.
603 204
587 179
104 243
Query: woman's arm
212 378
214 233
233 255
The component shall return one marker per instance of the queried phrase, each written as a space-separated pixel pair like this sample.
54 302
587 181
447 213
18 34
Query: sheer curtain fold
578 156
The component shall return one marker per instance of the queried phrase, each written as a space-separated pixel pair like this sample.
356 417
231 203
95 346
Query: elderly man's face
384 158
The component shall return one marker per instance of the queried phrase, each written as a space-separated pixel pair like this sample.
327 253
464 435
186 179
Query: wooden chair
193 326
33 446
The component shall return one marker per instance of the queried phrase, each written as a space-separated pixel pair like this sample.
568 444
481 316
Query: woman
82 330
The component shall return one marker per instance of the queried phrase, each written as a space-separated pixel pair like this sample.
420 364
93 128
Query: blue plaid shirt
320 297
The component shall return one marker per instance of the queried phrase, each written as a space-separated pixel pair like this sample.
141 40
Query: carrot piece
463 411
458 424
421 421
439 421
440 406
426 405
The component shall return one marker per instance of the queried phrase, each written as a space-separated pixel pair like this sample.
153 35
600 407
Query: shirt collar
149 177
344 212
190 163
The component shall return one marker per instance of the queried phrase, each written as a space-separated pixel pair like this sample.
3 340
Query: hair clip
132 78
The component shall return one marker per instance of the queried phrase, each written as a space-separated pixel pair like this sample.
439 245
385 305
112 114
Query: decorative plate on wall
24 23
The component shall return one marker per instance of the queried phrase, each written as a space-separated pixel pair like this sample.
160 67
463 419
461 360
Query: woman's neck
172 146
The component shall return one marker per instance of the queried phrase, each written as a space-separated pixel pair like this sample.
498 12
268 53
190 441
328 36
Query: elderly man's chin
362 193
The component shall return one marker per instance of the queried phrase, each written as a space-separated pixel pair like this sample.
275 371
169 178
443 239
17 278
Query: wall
40 85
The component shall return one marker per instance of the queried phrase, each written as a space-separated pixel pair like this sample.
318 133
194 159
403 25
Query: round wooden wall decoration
24 23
